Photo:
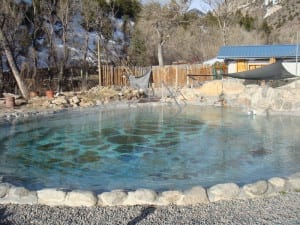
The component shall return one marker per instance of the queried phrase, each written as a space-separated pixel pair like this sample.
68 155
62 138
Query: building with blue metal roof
248 57
258 52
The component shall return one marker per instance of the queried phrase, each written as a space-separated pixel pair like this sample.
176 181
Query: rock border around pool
10 194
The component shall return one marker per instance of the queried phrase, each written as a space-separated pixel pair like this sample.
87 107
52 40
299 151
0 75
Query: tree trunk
160 54
160 45
224 36
13 65
1 77
60 77
223 28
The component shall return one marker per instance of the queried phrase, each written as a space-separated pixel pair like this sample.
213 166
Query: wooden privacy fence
172 75
181 75
74 79
118 75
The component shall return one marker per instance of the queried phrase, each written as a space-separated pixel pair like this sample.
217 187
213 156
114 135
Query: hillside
285 21
282 16
198 39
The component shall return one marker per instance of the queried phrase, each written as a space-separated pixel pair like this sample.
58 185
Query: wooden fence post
99 64
176 78
187 72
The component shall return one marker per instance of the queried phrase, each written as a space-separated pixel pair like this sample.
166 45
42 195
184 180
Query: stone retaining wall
263 99
9 194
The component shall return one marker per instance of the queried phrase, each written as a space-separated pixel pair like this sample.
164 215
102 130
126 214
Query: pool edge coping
10 194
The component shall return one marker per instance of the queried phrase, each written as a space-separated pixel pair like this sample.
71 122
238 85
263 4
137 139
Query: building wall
244 65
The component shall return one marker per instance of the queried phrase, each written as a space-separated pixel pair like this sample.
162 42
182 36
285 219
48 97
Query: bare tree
36 22
1 75
96 17
64 14
163 20
56 17
48 11
11 16
223 10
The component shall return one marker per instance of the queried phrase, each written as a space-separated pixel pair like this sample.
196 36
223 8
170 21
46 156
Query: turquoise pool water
149 147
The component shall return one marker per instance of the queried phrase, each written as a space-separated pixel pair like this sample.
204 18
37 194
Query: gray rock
255 98
169 197
278 104
297 105
263 103
244 100
194 196
252 88
276 184
80 198
256 189
19 195
51 197
116 197
141 197
4 187
226 191
287 106
60 100
75 100
293 182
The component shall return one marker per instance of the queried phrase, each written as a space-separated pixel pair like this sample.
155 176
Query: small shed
247 57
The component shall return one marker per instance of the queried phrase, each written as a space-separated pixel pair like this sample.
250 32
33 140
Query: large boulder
80 198
293 182
257 189
141 197
113 198
226 191
276 184
211 88
170 197
74 101
4 187
212 92
233 87
194 196
244 100
60 100
19 195
51 197
189 94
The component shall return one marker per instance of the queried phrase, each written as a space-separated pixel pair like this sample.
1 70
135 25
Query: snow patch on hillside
76 44
272 9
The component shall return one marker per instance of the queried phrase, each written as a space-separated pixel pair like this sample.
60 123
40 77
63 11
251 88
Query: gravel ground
281 209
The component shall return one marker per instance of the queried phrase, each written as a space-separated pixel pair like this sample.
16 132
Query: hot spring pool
148 147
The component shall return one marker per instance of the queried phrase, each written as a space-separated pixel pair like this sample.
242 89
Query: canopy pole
99 63
297 52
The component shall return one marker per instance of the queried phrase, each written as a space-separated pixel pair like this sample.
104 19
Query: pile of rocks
107 94
229 191
95 96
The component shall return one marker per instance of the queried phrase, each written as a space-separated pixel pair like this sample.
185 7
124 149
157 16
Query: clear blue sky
196 4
